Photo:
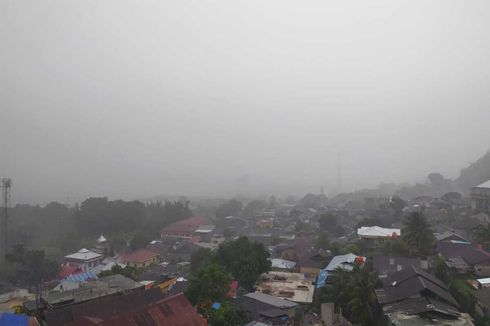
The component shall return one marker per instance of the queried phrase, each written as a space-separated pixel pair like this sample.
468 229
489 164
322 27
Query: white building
83 259
480 197
376 235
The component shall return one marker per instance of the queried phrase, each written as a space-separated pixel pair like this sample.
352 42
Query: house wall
146 263
482 269
310 270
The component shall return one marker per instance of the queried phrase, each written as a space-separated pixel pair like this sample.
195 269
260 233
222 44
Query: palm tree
418 235
363 305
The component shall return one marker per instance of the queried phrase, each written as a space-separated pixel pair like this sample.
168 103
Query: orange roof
172 311
185 226
139 256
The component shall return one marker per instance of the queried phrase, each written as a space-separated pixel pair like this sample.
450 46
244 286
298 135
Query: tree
354 293
363 304
211 283
397 247
200 258
243 259
253 207
129 272
397 204
140 240
229 315
482 234
330 223
322 240
30 267
418 235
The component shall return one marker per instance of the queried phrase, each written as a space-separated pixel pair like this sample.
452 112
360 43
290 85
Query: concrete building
84 260
480 197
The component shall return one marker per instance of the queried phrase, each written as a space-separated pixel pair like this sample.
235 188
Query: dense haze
134 99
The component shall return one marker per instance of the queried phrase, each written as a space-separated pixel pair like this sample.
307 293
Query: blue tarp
216 305
81 277
322 278
7 319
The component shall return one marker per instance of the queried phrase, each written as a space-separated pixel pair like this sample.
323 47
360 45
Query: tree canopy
243 259
209 284
418 235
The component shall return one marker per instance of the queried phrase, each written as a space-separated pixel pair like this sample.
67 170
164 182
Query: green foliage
141 239
331 223
209 284
322 241
253 207
29 267
245 260
129 272
418 235
397 247
354 293
482 234
200 258
463 293
397 204
228 315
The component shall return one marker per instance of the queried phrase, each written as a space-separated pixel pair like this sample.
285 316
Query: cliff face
475 174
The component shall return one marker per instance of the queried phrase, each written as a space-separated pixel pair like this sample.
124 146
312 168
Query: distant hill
475 174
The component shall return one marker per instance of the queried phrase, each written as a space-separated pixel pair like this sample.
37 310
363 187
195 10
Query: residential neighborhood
390 265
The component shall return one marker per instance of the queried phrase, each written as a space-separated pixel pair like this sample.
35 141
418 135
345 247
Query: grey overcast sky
137 98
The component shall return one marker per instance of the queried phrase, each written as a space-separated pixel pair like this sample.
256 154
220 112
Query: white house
377 235
83 259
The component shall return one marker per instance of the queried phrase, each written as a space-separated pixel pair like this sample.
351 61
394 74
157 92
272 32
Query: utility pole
6 184
339 180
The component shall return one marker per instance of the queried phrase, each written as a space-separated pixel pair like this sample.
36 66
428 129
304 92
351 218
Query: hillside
475 173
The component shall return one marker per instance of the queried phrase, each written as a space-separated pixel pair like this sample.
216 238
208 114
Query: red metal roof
185 226
67 270
233 289
173 311
139 256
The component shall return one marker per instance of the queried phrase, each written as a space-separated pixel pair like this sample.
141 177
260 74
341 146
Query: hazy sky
138 98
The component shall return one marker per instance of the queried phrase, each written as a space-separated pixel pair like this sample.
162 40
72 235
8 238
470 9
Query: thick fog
129 99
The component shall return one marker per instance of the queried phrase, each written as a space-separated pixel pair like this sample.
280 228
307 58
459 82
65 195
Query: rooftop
376 231
172 311
402 319
104 307
486 184
282 263
271 300
470 253
412 282
139 256
90 290
345 262
84 254
390 264
185 226
292 286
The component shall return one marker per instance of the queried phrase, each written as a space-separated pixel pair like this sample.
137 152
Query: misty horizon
190 98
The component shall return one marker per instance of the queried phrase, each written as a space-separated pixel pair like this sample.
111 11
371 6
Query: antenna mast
339 180
6 184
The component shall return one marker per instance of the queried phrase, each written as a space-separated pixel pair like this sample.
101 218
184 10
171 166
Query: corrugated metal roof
486 184
271 300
